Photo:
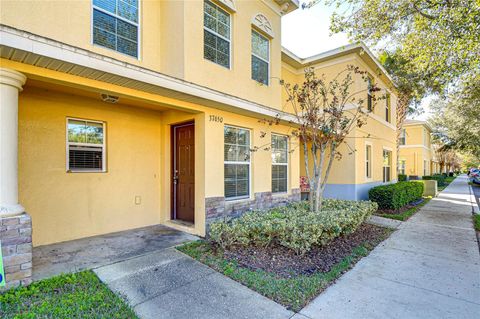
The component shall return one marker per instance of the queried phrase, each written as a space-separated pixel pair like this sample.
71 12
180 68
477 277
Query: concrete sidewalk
168 284
429 268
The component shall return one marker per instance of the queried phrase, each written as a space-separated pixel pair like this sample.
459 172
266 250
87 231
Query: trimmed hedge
294 226
395 196
402 177
437 177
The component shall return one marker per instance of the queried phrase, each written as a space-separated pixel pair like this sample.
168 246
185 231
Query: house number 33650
215 118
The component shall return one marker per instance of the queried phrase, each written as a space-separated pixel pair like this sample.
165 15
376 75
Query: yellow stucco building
417 157
127 113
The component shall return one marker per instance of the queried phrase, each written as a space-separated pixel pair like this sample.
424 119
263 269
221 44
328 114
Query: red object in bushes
304 184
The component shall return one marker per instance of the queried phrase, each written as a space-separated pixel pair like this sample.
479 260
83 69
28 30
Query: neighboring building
368 156
134 113
417 157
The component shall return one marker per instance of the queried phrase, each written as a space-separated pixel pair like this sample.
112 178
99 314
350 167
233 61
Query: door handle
175 178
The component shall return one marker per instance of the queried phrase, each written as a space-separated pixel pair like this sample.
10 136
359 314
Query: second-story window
115 25
216 34
260 58
387 108
370 93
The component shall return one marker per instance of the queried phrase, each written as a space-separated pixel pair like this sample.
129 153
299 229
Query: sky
306 33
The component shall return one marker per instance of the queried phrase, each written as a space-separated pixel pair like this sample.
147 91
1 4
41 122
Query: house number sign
216 118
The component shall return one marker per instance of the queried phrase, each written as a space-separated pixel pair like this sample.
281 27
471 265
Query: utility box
430 188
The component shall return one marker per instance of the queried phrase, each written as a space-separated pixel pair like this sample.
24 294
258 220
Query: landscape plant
395 196
295 226
325 112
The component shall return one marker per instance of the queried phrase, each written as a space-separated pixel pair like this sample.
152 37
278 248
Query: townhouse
417 156
119 114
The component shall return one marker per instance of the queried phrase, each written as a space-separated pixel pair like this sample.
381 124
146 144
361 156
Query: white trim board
55 50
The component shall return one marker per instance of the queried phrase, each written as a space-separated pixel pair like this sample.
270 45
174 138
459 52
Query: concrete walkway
169 284
429 268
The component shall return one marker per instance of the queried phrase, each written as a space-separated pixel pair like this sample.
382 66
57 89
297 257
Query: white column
11 83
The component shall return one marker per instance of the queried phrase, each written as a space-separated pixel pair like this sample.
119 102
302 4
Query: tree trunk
404 99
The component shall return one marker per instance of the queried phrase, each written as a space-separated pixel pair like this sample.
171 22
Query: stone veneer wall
16 238
217 208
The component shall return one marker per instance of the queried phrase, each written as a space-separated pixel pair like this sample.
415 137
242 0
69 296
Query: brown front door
183 173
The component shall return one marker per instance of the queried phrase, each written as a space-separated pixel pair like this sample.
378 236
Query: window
279 163
403 136
115 25
85 146
368 161
387 165
216 34
370 93
402 166
387 108
260 58
237 162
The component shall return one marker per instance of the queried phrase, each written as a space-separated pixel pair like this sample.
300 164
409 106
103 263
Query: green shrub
402 177
293 226
437 177
395 196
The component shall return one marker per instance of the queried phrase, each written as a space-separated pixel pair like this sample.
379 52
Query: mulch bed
285 263
400 210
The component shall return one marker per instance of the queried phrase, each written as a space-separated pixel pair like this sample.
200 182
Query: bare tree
326 112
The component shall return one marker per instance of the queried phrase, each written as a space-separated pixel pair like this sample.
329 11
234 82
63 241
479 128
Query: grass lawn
403 216
79 295
293 292
476 221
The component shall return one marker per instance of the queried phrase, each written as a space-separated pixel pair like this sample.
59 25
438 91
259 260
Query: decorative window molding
261 22
228 4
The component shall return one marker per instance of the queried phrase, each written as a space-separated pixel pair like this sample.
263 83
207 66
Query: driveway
429 268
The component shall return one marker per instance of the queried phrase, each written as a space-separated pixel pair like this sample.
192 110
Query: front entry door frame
175 172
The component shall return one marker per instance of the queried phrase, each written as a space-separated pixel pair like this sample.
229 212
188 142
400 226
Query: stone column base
16 238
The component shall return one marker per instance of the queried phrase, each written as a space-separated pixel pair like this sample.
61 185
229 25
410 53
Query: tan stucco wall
65 205
171 40
416 150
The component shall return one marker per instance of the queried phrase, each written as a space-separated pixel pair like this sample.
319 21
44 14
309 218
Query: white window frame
383 164
249 163
258 57
368 176
400 166
137 24
388 108
219 35
282 164
103 145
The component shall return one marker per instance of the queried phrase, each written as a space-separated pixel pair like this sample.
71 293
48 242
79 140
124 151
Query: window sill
85 171
237 199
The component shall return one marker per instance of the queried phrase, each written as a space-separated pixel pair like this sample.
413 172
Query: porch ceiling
27 48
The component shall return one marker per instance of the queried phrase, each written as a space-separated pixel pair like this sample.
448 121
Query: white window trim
400 166
258 57
220 36
282 164
404 137
367 178
137 24
388 106
103 145
391 164
229 199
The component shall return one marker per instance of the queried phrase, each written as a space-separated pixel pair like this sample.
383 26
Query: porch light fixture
109 98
